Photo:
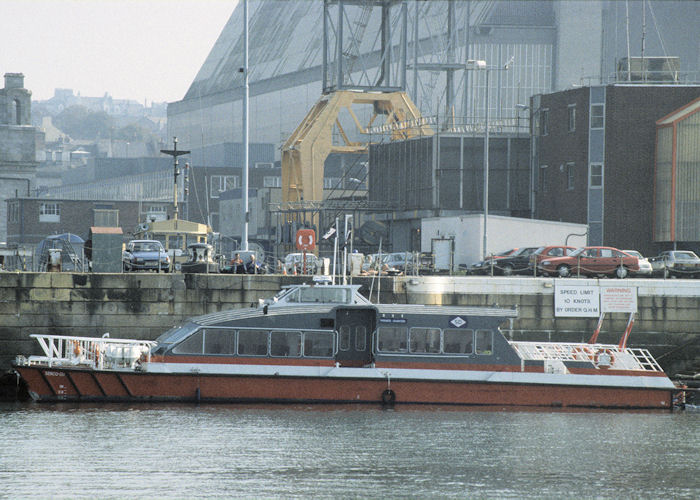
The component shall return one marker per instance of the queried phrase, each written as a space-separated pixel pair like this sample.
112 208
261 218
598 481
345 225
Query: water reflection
186 451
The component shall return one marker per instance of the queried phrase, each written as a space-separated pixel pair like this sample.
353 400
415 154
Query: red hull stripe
140 386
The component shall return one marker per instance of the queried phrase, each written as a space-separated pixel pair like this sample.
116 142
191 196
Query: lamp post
480 65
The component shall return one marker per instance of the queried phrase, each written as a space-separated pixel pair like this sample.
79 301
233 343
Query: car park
592 261
145 255
547 252
676 263
645 268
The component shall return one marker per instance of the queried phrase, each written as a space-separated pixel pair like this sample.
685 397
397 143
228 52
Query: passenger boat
323 343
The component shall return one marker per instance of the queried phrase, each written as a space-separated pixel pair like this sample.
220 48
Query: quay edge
143 305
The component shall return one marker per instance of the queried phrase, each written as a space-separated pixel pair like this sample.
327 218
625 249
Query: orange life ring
604 351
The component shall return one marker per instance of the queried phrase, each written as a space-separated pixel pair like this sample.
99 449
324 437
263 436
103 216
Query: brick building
593 157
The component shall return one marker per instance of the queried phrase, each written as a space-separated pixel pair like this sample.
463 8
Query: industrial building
598 161
530 48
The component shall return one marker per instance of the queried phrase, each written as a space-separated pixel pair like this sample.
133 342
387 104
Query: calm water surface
180 451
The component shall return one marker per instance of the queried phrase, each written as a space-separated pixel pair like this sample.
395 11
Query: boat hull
52 384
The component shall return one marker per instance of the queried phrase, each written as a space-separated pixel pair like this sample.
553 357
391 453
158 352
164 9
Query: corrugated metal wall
688 179
664 166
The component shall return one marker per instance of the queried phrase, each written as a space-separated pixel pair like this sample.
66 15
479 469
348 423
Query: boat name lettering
54 374
392 320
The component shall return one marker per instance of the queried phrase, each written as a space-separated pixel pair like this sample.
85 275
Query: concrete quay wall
143 305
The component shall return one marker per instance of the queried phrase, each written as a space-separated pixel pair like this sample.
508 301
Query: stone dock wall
143 305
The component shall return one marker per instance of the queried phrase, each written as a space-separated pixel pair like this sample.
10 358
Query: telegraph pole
176 171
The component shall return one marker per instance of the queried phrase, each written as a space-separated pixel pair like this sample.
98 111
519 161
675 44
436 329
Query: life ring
604 351
76 348
388 397
581 353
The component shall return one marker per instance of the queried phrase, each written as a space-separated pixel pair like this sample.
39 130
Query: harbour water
229 451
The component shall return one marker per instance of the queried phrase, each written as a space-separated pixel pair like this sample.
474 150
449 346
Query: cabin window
322 294
360 338
252 342
318 344
219 341
458 341
285 344
424 340
391 339
484 342
193 344
344 338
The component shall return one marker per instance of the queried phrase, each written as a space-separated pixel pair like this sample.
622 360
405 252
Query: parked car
592 261
547 252
645 268
676 263
516 263
484 266
145 255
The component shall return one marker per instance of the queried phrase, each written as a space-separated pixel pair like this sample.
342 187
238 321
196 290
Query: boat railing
601 355
98 353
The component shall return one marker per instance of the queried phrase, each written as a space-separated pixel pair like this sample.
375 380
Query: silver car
676 263
645 268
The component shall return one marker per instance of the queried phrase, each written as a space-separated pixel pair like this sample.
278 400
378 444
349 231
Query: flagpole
335 248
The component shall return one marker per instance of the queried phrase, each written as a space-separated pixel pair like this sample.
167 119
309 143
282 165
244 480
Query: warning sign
576 301
618 299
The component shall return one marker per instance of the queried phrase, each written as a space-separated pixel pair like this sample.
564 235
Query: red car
547 252
592 261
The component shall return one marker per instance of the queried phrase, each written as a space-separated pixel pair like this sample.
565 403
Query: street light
479 65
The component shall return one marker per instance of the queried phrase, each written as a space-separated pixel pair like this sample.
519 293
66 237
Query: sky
146 50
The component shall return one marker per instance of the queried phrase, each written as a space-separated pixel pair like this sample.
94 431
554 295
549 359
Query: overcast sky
131 49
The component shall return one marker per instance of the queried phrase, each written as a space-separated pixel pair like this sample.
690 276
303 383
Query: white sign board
576 301
618 299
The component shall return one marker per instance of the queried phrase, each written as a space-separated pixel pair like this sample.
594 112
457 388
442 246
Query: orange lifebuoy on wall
607 352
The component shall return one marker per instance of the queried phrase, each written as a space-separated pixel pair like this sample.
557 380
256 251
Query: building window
597 116
570 176
105 218
271 181
331 182
156 212
50 212
596 180
221 183
262 164
13 216
572 117
544 122
543 178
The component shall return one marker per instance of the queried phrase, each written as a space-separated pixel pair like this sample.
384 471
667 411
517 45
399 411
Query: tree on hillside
81 123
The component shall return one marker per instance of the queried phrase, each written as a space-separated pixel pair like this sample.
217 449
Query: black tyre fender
388 397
